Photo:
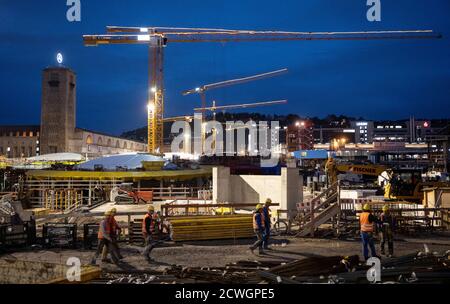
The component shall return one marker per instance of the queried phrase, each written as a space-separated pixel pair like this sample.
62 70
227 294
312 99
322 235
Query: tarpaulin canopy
130 161
57 157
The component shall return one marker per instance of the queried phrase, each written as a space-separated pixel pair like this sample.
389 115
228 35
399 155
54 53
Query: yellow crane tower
159 37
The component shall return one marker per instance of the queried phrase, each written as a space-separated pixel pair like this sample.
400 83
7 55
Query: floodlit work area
148 224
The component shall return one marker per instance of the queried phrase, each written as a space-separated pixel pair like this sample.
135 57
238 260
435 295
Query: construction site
204 200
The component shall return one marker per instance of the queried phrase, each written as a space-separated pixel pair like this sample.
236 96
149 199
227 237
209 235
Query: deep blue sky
375 79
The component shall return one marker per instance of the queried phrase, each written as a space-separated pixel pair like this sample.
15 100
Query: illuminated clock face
59 58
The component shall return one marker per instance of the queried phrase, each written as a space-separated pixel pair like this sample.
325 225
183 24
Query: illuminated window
89 140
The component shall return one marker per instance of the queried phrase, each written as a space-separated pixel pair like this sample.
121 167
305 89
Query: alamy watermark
73 273
374 11
74 12
373 275
238 138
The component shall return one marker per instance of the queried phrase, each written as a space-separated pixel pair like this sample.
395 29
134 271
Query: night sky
375 79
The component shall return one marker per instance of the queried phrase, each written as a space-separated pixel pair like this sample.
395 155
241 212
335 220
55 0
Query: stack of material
315 266
413 268
193 228
248 272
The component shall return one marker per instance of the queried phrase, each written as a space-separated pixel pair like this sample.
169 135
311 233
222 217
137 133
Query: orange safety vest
104 226
144 230
113 224
155 221
366 226
255 223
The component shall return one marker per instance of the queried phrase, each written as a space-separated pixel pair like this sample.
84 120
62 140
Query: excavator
399 184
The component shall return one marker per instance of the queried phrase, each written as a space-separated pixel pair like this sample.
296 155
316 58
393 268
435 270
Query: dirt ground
220 253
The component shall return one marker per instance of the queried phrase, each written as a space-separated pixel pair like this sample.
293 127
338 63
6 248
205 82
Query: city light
59 58
143 37
153 89
151 107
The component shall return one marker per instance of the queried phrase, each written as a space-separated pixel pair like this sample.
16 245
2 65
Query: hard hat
259 206
107 212
385 208
366 207
268 201
113 210
151 208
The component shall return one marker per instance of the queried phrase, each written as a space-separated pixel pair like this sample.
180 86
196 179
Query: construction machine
408 185
398 183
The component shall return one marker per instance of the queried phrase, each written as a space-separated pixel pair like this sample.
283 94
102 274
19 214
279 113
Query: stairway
326 207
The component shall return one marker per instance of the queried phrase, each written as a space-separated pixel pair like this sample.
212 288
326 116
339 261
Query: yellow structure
120 175
211 227
62 200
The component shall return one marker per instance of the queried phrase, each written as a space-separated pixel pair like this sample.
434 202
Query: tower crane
202 89
159 37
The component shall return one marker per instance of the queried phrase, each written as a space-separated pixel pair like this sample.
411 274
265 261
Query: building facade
57 131
19 141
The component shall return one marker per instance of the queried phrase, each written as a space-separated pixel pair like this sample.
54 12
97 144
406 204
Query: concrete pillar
90 194
291 189
221 184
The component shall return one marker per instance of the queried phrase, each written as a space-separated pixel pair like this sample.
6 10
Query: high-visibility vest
366 226
155 221
113 225
144 230
266 213
105 228
255 223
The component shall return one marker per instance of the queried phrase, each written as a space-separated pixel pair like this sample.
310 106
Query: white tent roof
57 157
128 160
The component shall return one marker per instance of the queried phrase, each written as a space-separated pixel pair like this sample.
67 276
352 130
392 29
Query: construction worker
367 221
266 213
115 231
147 231
105 240
259 228
157 228
387 225
330 169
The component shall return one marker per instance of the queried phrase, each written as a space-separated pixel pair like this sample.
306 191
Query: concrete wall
284 189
